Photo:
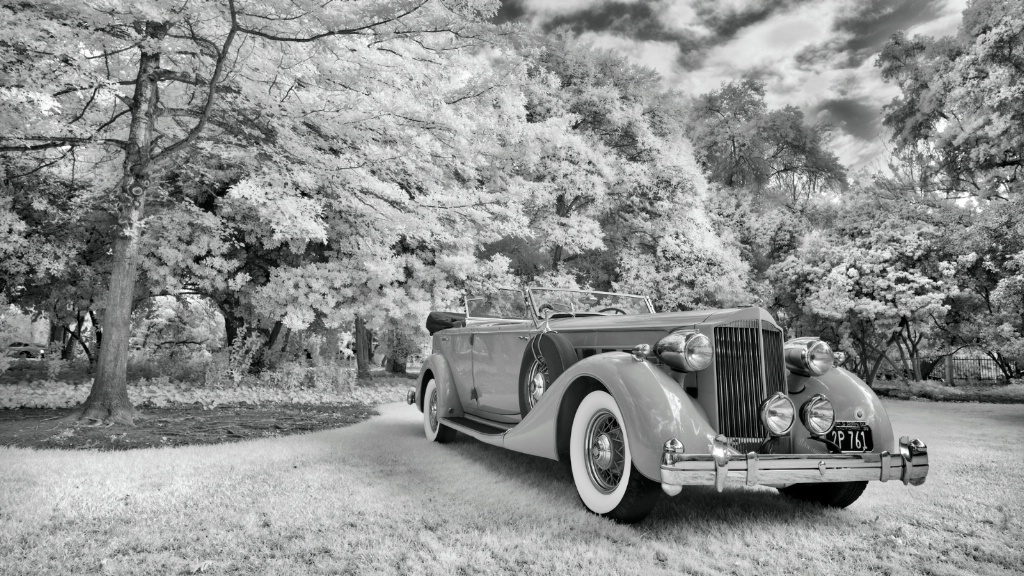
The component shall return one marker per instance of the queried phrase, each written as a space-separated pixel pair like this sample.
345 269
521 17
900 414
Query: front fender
654 406
852 399
436 367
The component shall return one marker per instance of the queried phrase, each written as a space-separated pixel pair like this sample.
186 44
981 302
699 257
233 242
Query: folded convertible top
437 321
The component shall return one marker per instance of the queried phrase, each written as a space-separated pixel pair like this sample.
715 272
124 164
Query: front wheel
831 494
602 467
432 427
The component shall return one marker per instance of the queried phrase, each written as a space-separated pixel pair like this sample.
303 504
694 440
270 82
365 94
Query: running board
482 432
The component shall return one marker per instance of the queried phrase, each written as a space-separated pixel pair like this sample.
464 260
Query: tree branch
327 34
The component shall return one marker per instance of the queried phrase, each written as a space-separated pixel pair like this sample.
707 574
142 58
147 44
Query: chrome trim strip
722 468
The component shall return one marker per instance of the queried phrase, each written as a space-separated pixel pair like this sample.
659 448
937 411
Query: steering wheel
613 309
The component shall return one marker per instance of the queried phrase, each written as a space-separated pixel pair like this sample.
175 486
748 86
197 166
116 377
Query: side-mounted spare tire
547 356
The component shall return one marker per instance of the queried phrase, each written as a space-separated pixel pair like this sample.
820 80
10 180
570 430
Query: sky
817 55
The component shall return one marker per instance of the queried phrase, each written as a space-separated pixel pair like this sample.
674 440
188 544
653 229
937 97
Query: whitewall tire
601 463
432 427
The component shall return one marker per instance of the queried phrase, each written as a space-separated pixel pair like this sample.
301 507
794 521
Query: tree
959 108
617 201
216 77
875 280
986 255
741 144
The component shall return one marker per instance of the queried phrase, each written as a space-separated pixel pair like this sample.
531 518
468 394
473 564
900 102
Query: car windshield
564 301
501 303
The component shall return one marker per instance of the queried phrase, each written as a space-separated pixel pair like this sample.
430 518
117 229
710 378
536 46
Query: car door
497 355
459 345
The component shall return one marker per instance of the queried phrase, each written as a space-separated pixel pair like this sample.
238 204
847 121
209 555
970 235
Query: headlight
777 414
686 351
818 415
808 356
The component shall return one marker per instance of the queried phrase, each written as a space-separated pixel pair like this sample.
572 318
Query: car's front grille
749 369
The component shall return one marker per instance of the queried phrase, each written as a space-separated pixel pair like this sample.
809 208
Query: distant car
639 403
26 350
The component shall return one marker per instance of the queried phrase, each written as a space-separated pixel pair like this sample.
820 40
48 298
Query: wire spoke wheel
603 470
606 453
432 414
433 428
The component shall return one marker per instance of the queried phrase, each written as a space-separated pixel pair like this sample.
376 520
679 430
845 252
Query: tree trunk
395 365
97 334
231 326
362 349
108 400
72 336
56 334
274 333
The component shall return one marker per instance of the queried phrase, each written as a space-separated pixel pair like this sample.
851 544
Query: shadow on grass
695 505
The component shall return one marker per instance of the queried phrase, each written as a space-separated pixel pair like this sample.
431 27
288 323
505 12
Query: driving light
777 414
808 356
818 415
686 351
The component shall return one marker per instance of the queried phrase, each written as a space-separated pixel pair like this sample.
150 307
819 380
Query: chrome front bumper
720 467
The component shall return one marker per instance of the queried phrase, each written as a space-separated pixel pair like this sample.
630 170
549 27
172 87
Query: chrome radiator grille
749 368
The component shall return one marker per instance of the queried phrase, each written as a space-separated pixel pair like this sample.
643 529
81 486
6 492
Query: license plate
851 437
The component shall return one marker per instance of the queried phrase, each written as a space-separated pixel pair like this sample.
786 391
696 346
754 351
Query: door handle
524 337
444 338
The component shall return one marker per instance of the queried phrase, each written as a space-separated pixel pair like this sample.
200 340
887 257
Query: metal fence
970 370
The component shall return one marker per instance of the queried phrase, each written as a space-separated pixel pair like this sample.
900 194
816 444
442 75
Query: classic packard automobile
638 402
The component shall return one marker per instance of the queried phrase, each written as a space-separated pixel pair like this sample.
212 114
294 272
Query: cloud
855 117
727 18
662 56
818 56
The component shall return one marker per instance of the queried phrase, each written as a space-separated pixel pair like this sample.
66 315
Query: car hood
661 321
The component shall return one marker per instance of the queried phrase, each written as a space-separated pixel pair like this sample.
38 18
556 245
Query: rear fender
654 406
851 398
436 367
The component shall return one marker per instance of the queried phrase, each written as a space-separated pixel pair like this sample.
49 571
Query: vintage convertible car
638 402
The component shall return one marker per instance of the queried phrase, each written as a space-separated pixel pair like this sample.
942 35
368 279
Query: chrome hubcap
433 411
606 451
538 383
601 452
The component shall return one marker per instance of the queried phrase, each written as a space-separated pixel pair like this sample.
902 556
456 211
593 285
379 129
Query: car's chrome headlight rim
778 414
809 356
686 351
818 415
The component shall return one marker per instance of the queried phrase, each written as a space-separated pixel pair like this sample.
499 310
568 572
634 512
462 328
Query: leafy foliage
960 103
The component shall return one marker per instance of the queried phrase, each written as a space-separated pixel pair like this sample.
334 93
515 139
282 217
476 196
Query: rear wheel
831 494
602 467
432 427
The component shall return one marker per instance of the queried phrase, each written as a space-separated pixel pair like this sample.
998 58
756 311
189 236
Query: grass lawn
375 497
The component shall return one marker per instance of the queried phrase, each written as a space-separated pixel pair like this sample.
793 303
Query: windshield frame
533 303
521 293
